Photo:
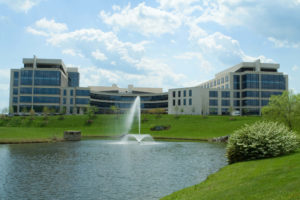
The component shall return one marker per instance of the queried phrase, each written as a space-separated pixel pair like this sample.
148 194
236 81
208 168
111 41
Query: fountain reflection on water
135 110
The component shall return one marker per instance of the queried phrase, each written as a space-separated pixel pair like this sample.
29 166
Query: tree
32 113
45 112
24 110
114 109
91 112
284 108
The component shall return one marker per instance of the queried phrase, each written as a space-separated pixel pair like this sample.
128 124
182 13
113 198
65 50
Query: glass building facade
47 83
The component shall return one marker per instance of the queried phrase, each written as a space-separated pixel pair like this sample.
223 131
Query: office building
47 83
244 88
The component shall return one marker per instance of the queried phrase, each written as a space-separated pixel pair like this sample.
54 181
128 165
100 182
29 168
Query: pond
103 169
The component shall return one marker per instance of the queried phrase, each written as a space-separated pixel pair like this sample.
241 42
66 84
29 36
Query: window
179 93
73 79
264 102
15 99
46 91
16 79
266 94
250 94
225 102
215 82
25 99
213 111
225 111
25 90
210 84
174 103
43 99
190 93
184 93
218 81
213 102
222 87
250 81
174 94
236 95
251 111
179 102
226 79
190 102
251 102
227 86
236 103
82 101
47 78
82 92
71 101
213 93
26 77
184 102
71 92
222 80
236 82
273 82
64 101
15 91
225 94
65 92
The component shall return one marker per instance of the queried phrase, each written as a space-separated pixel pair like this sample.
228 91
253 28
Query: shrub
260 140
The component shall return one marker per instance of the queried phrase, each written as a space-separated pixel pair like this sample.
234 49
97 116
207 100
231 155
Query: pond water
103 169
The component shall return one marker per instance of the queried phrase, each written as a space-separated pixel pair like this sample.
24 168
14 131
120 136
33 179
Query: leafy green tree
24 110
46 112
91 112
284 108
114 109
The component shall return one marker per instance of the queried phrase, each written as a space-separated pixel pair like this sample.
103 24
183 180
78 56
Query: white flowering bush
260 140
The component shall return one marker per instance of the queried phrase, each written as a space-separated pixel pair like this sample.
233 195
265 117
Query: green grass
275 178
188 126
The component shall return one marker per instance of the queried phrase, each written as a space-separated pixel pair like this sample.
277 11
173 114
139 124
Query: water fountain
135 110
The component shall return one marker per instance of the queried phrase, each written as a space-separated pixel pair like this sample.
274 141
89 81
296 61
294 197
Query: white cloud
177 4
51 26
36 32
72 52
204 65
295 68
113 63
144 19
116 8
277 19
98 55
226 49
283 43
20 5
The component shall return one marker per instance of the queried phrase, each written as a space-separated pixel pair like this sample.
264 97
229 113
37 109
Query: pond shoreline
25 141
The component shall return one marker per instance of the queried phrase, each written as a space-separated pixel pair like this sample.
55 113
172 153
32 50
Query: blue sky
158 43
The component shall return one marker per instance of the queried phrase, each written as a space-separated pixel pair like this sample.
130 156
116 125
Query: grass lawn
186 126
275 178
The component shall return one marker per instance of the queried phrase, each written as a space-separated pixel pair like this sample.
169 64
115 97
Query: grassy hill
186 126
274 179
